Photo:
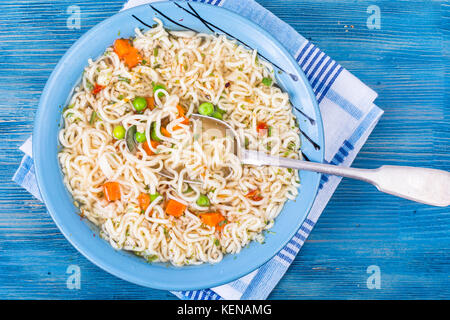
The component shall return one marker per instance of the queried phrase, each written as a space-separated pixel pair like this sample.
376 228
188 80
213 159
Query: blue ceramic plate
83 235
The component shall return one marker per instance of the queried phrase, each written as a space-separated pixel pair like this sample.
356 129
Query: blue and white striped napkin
349 116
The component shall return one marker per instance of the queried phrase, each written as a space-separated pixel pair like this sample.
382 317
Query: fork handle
424 185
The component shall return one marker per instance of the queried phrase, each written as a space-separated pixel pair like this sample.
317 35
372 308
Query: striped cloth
349 116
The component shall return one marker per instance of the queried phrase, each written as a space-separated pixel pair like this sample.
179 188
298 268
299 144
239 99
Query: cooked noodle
193 68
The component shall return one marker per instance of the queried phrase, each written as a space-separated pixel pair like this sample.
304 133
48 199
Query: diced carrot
185 121
147 148
150 102
132 58
262 128
175 208
181 114
180 111
214 219
97 88
254 195
165 132
126 52
111 191
144 201
122 47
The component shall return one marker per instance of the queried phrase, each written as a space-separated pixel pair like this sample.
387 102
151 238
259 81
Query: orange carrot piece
111 191
126 52
165 132
122 47
262 128
185 121
147 148
254 195
132 58
175 208
180 111
214 219
150 102
144 201
181 114
97 88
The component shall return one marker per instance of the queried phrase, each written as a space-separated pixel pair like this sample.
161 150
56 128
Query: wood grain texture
406 62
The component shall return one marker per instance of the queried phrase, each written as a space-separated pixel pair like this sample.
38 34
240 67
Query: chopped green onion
223 222
267 81
70 106
291 145
155 51
152 258
89 85
269 131
123 79
93 118
217 242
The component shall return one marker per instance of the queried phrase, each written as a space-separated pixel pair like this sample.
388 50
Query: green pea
153 135
203 201
217 115
206 108
139 103
157 87
119 132
154 196
140 137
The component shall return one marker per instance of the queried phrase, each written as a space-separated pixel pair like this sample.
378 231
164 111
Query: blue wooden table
361 235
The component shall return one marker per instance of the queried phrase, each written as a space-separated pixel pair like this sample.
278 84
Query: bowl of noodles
162 202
